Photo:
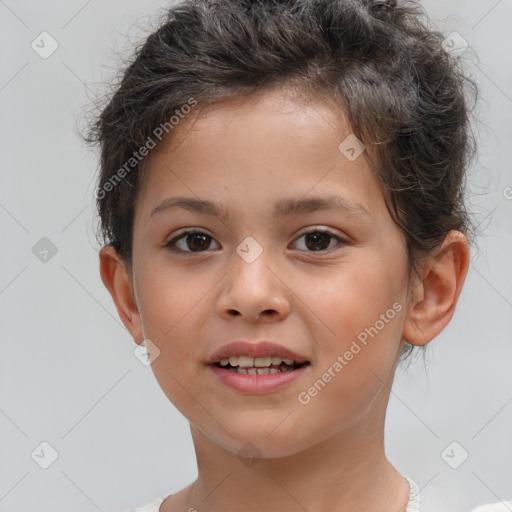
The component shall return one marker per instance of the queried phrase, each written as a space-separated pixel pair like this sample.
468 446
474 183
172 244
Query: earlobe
115 276
434 299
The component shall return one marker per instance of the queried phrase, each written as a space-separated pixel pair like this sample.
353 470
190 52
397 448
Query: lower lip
257 384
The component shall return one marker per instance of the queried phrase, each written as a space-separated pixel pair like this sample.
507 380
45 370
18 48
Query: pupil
195 237
315 237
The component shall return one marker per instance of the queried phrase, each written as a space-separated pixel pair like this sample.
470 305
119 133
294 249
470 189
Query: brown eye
191 241
317 241
320 240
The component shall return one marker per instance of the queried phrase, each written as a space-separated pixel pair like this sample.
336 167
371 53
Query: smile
255 379
258 365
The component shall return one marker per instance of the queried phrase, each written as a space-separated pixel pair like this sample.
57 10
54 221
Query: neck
347 472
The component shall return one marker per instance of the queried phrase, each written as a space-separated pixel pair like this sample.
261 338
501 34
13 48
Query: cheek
169 302
364 307
166 304
354 297
357 362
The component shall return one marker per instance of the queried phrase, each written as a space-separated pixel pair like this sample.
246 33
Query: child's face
314 295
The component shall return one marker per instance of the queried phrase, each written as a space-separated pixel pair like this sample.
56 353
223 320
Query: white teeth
243 361
258 362
261 362
259 371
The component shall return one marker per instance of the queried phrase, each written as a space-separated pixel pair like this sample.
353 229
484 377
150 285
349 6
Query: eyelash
171 245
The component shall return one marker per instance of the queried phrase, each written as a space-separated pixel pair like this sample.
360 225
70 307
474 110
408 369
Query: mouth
259 365
266 373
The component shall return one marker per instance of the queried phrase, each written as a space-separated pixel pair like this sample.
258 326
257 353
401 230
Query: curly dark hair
405 97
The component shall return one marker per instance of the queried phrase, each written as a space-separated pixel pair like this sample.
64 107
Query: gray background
68 374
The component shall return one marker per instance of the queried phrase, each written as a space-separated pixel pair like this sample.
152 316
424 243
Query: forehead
291 108
270 143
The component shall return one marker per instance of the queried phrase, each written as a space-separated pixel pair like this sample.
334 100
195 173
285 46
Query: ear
116 277
435 297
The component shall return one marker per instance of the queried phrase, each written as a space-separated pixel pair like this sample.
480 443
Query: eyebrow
282 207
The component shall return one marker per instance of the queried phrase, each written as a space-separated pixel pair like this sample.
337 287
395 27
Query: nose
254 291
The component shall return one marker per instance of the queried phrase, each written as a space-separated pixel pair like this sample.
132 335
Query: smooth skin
311 293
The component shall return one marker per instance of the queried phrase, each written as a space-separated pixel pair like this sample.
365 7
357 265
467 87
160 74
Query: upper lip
259 349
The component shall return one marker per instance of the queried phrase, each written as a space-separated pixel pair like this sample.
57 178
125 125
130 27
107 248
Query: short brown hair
405 97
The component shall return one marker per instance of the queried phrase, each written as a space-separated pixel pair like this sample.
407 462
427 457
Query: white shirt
412 506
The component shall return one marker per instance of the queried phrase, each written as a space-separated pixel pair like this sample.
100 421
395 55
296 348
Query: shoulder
502 506
153 506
